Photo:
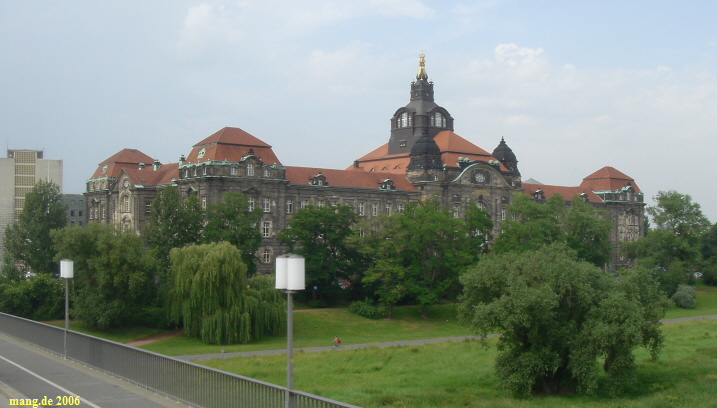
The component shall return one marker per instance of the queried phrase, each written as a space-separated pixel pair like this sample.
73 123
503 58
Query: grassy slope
319 326
119 334
461 374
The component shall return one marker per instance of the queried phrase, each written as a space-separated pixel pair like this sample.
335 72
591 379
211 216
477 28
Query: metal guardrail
193 384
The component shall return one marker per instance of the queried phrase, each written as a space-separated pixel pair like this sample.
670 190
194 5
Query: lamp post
290 278
67 271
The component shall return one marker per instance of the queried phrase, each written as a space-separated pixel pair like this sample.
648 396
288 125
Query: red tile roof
346 178
231 144
125 158
150 177
450 144
567 192
608 178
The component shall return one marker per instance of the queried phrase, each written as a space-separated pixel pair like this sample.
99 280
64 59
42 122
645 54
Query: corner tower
420 117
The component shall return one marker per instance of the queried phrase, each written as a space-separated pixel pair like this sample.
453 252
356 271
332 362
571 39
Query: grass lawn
461 374
119 334
706 304
317 327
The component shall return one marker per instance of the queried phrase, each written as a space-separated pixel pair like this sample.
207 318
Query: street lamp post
67 270
290 277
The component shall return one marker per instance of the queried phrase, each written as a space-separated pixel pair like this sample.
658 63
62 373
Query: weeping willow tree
211 295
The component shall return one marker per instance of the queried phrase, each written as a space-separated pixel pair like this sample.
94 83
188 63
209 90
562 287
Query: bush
365 308
40 297
684 297
318 304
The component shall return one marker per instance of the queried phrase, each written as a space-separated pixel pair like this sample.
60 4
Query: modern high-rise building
18 174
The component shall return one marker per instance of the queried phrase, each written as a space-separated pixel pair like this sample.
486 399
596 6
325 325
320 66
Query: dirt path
156 337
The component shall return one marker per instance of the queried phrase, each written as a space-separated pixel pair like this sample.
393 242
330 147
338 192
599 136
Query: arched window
404 120
438 120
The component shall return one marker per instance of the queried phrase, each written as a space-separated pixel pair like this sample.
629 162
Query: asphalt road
29 372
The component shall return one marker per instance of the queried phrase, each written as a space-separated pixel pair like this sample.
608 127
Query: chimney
156 165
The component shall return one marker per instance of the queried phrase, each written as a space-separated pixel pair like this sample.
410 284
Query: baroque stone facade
422 158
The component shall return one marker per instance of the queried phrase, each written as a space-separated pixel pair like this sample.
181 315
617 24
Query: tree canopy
672 249
172 223
579 225
210 293
559 316
231 220
421 251
320 235
28 244
113 273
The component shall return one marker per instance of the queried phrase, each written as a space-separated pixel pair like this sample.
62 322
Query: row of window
233 170
438 119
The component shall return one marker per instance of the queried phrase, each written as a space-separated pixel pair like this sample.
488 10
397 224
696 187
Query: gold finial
421 67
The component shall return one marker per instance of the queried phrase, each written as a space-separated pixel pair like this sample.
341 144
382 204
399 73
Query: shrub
365 308
40 297
684 297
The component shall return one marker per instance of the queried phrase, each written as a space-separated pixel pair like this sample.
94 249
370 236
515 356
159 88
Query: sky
572 86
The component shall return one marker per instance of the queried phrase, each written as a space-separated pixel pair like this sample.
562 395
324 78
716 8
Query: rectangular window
250 169
360 209
204 170
251 204
72 213
104 212
267 256
455 211
399 208
267 173
79 213
320 203
148 207
204 202
266 205
126 204
334 203
304 203
387 209
289 206
233 171
502 213
266 229
374 209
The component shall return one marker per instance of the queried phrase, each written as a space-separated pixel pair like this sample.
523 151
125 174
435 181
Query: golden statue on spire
422 75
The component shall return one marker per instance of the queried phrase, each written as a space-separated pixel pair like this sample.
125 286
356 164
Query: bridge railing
187 382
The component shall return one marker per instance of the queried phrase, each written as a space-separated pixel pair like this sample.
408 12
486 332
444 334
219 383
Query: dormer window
201 153
267 173
402 143
387 185
319 180
403 120
438 120
539 195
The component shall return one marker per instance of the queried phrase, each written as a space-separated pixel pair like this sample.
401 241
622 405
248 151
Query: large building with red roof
423 157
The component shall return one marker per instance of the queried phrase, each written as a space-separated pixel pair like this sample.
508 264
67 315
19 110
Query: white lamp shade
282 270
296 273
67 268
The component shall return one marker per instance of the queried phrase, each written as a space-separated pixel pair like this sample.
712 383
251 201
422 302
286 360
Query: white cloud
408 8
206 24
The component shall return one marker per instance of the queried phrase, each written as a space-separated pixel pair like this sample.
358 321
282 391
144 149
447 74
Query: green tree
231 220
579 225
531 225
172 223
27 243
708 250
559 317
112 281
210 294
39 297
587 231
672 248
320 235
420 252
